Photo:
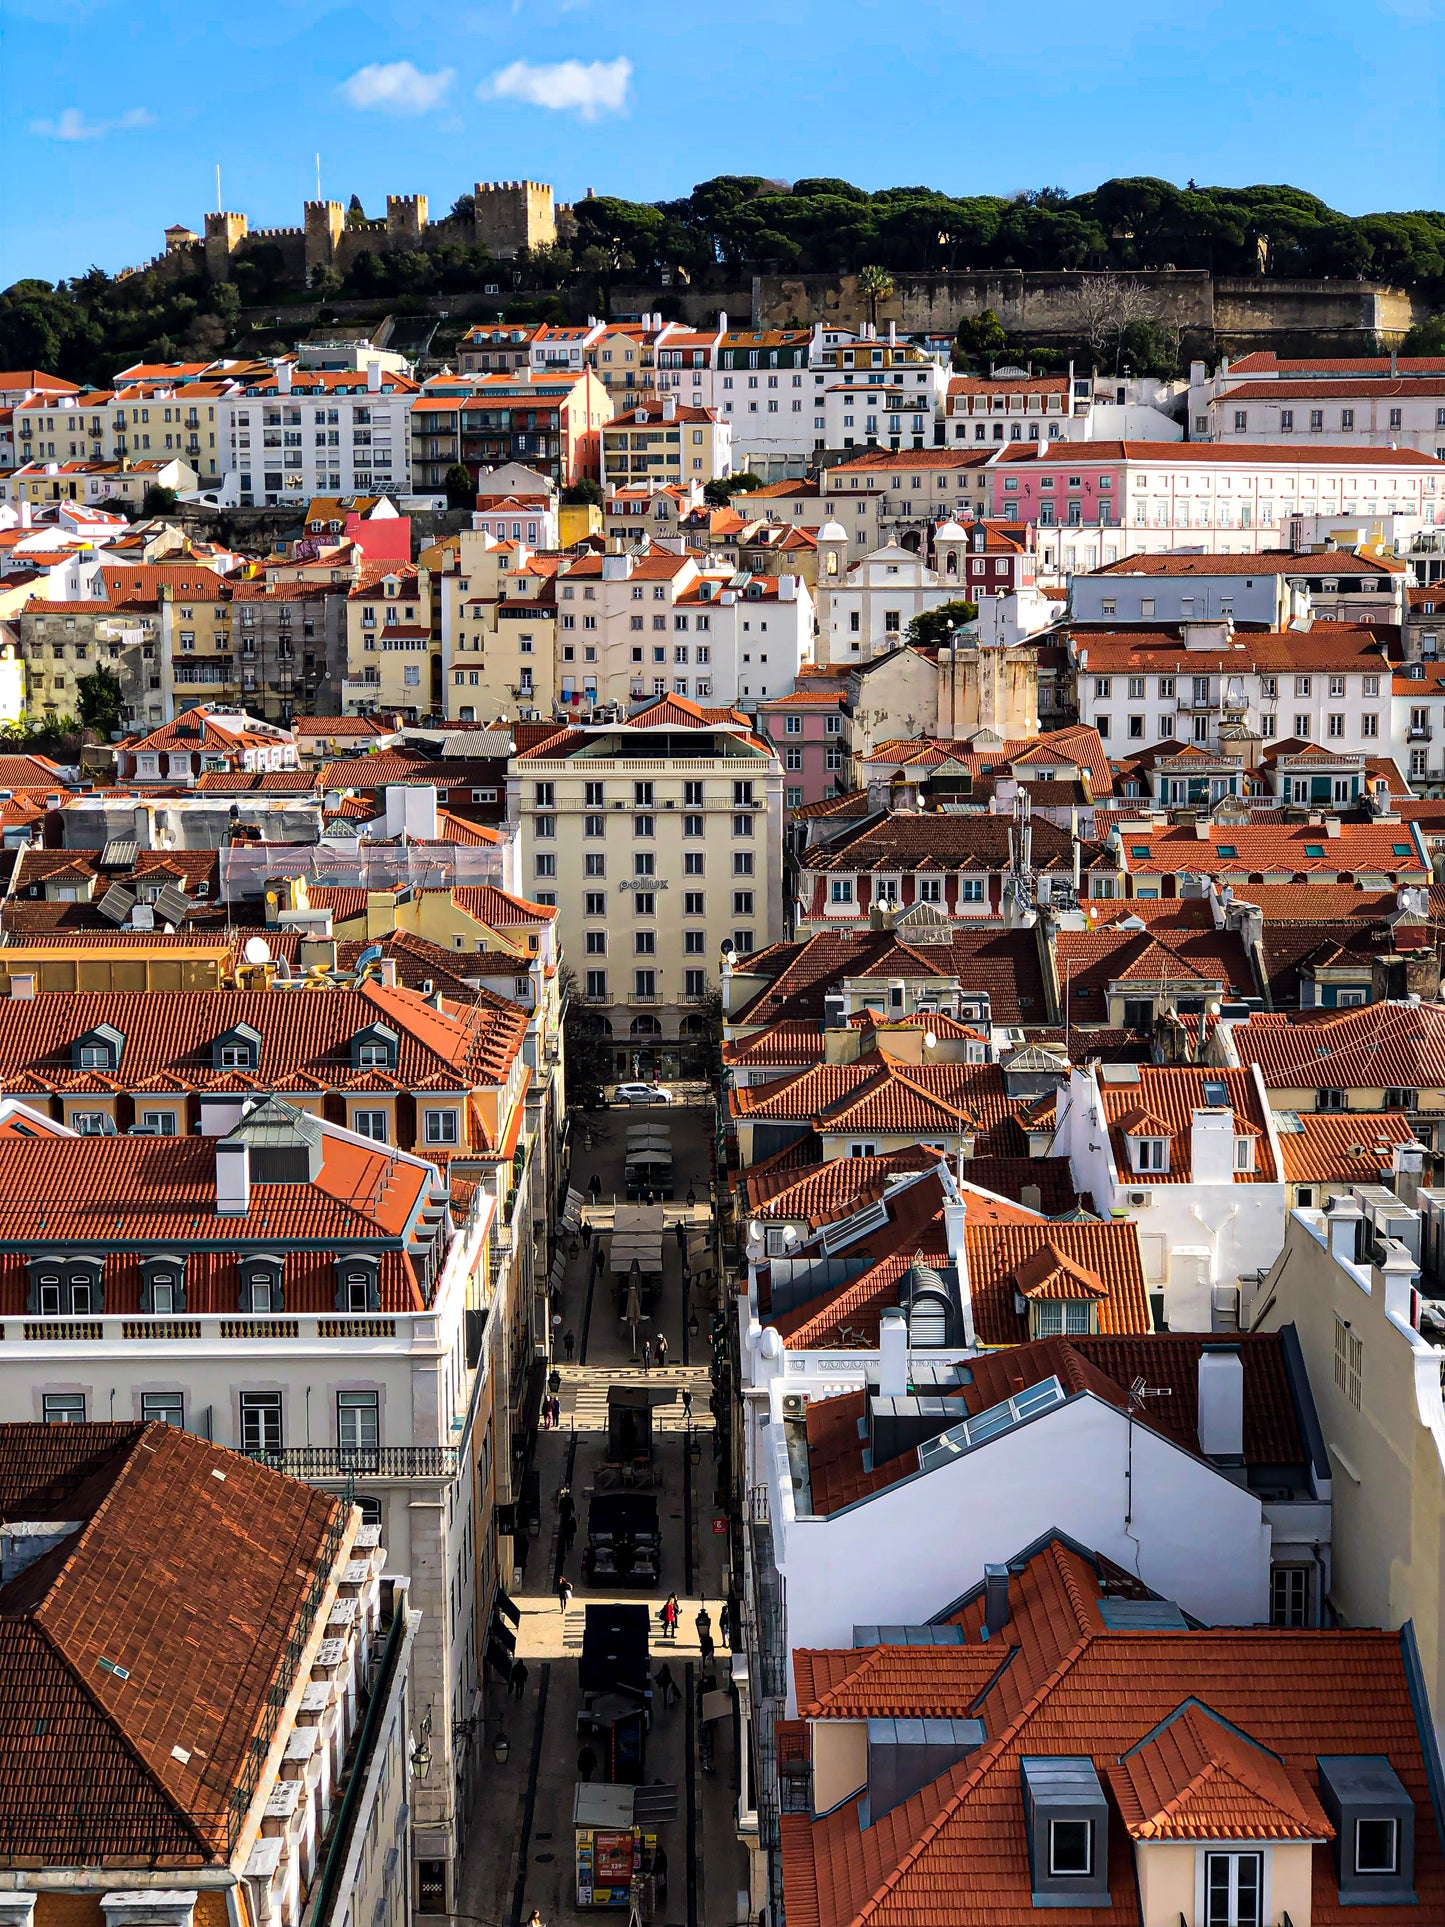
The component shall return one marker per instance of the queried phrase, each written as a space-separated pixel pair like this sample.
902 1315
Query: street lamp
501 1747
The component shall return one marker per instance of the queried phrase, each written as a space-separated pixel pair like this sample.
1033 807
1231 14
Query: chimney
1407 1160
722 321
669 408
893 334
1221 1402
373 377
995 1599
22 985
893 1355
233 1177
386 971
283 378
1345 1220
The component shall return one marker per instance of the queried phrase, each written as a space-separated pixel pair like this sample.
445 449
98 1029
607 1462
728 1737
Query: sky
118 115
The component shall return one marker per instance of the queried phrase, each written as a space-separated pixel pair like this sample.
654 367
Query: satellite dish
931 1039
727 946
257 951
755 1229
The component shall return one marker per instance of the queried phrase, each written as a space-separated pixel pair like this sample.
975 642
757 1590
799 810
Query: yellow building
576 521
659 440
499 622
141 421
393 660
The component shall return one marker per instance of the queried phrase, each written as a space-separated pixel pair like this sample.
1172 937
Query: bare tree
1104 306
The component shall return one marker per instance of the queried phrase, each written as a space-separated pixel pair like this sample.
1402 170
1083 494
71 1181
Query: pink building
805 727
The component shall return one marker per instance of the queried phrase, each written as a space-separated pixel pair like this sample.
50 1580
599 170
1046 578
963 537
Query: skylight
1401 849
1216 1093
1228 849
1314 849
998 1419
1138 849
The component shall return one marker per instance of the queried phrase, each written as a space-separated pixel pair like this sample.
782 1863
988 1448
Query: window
545 864
596 983
694 943
840 890
693 863
862 1150
1233 1889
694 983
644 943
443 1127
63 1408
594 866
596 943
644 864
260 1422
692 826
1244 1154
1150 1154
1289 1596
163 1408
1349 1363
642 796
592 825
357 1421
644 825
742 903
370 1124
161 1123
1377 1842
1328 1098
595 903
742 863
1071 1844
645 983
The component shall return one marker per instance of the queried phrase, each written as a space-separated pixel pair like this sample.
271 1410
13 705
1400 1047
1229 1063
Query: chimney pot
1221 1402
233 1177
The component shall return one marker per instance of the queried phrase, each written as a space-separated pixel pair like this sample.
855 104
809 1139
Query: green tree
158 501
586 1046
980 335
935 626
583 494
1426 337
461 487
720 491
100 700
875 284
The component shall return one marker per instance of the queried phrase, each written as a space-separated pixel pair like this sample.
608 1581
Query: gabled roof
1374 1046
1064 1682
1196 1777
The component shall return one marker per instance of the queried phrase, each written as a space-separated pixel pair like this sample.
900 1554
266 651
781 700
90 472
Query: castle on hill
506 217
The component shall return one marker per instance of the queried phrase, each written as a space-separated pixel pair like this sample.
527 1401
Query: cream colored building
659 841
1376 1383
140 421
661 441
498 630
393 659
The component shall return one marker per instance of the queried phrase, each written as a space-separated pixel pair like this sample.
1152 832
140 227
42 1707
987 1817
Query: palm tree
875 285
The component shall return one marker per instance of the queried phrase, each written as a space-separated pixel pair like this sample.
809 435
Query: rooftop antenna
220 204
318 177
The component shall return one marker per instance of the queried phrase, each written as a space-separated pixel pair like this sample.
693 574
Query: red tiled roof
1374 1047
1108 1253
1264 562
1197 1778
1170 1094
955 1854
1331 1148
146 1645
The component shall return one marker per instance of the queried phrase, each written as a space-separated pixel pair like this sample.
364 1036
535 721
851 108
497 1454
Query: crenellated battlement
506 217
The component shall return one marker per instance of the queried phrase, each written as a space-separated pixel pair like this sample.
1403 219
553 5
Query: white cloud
398 88
73 126
568 86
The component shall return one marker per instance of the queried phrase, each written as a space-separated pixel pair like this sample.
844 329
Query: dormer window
1374 1819
163 1285
1150 1153
98 1050
261 1285
1244 1154
237 1049
1064 1318
374 1048
1067 1821
358 1282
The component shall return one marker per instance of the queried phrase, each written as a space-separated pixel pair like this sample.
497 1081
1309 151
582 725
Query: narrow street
520 1851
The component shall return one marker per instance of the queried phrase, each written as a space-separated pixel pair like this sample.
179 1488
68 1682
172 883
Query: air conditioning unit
1140 1200
670 804
795 1405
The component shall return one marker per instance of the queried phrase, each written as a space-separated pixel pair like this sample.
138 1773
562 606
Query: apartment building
498 629
686 360
141 421
323 1307
210 1655
393 649
294 433
1095 502
1276 588
549 421
660 440
805 728
679 856
1379 401
764 386
290 642
1208 684
896 495
500 347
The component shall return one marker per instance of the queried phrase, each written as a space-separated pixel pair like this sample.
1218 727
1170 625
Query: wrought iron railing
362 1461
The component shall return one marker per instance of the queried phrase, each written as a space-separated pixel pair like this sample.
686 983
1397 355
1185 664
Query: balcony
362 1461
1421 733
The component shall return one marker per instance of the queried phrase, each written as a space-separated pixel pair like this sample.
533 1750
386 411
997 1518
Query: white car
642 1094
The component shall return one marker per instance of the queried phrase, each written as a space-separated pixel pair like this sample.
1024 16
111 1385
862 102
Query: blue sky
117 114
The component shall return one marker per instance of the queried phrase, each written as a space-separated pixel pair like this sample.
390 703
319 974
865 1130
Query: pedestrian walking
517 1683
725 1623
669 1616
546 1414
647 1354
680 1233
594 1185
564 1592
667 1685
659 1348
569 1344
687 1404
586 1763
567 1506
659 1874
534 1919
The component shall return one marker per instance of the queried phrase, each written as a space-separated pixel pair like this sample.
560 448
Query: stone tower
405 221
511 215
224 234
325 221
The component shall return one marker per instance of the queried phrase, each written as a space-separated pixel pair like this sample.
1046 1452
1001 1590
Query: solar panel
117 903
991 1424
172 904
